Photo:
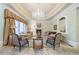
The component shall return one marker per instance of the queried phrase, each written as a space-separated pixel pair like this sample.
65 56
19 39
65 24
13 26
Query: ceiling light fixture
38 14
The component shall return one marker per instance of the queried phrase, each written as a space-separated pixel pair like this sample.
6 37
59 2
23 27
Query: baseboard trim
71 43
1 43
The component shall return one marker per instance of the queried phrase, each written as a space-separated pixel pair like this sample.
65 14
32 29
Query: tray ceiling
27 10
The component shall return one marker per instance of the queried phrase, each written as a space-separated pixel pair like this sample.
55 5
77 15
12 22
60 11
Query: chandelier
39 13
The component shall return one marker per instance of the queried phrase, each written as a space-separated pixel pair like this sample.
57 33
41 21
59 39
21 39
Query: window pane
17 27
21 28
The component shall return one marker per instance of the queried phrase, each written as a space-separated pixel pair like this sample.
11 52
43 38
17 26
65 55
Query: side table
38 43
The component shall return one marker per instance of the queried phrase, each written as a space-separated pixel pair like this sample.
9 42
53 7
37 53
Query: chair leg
20 49
46 43
14 46
59 44
28 44
54 46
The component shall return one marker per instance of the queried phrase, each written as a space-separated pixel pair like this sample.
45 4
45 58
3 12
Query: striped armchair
16 41
55 41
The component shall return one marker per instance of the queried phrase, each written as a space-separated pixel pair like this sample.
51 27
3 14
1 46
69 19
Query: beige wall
46 25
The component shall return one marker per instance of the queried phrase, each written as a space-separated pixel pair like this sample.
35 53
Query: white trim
71 43
1 43
77 44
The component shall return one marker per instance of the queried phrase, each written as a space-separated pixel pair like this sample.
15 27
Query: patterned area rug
47 50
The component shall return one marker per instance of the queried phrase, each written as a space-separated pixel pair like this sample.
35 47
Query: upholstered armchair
58 38
51 38
16 41
54 40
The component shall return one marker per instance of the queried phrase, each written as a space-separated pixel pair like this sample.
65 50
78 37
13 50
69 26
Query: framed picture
38 25
55 27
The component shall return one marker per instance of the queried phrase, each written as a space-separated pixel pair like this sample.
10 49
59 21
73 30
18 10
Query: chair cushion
15 40
23 42
50 40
